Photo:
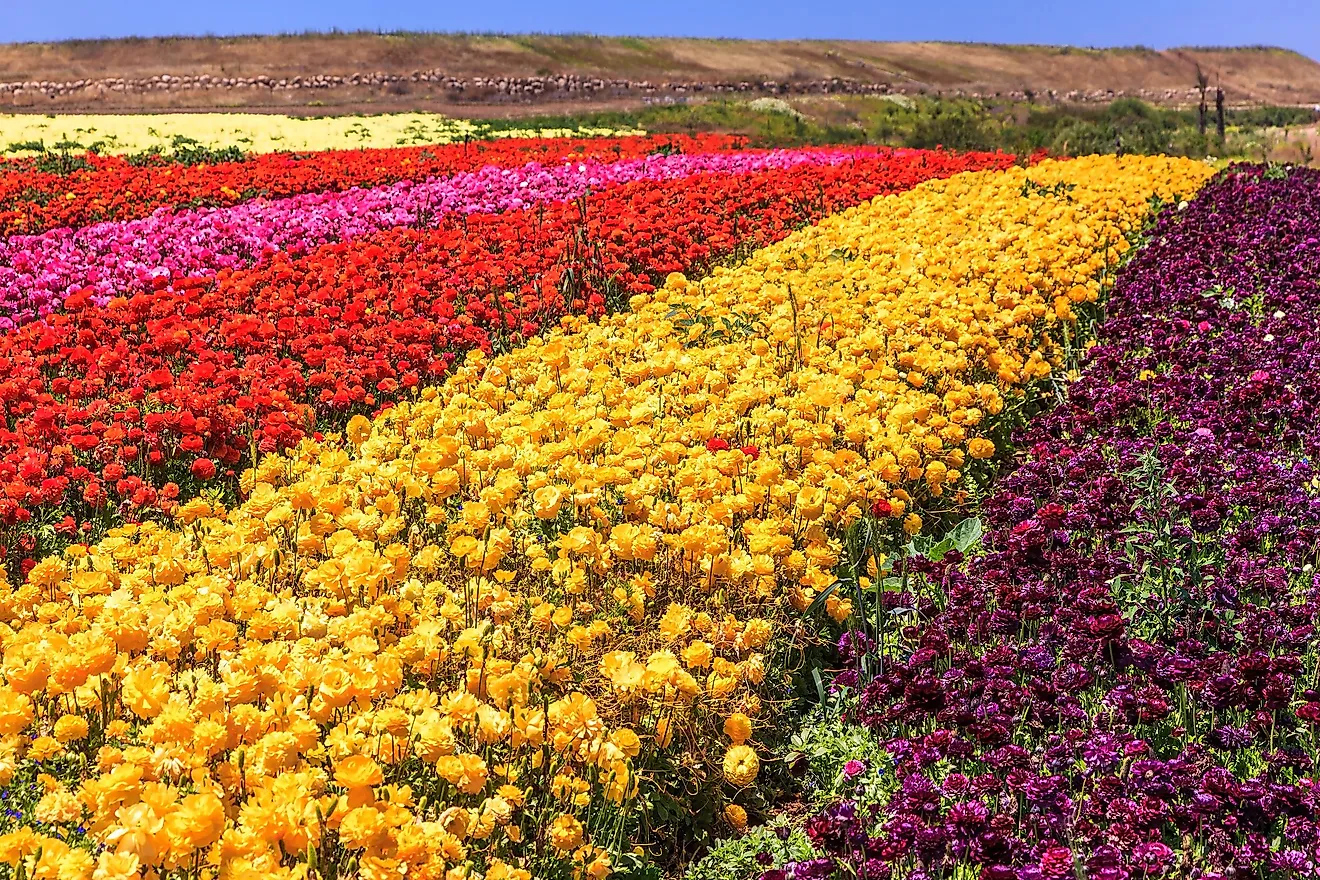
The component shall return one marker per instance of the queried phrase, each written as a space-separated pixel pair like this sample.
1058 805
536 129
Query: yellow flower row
457 641
257 132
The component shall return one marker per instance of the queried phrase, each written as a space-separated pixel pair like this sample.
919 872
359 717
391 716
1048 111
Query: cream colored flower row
462 637
257 132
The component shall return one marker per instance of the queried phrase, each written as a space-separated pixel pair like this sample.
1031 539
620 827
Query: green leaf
820 599
967 534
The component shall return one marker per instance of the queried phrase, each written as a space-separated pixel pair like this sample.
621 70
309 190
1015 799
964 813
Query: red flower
881 508
752 451
203 469
716 444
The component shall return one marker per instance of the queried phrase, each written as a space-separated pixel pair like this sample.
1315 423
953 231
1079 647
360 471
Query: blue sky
1294 24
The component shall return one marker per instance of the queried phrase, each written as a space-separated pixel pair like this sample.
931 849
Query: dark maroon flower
1309 712
1057 861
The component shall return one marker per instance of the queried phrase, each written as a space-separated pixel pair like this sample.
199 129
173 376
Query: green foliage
63 158
823 748
1277 171
25 146
736 857
954 129
697 327
764 127
1057 190
186 151
1126 125
965 537
1269 117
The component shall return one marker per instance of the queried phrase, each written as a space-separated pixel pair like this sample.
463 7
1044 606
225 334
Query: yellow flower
627 741
698 655
358 771
44 748
362 827
811 503
16 711
565 833
197 823
838 609
358 430
912 524
59 807
741 765
145 690
546 502
738 728
117 866
262 133
467 773
736 816
70 728
979 447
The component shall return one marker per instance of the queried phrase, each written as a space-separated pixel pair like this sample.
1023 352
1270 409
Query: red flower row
108 410
33 200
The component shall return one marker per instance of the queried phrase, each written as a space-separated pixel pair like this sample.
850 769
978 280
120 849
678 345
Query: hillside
391 71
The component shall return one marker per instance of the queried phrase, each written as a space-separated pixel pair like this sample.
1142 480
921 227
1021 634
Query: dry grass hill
324 72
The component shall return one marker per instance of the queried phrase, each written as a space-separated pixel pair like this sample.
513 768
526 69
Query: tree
1202 83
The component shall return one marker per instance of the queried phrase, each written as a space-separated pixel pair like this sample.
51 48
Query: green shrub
748 855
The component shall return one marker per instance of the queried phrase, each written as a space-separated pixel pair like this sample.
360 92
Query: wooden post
1219 114
1202 83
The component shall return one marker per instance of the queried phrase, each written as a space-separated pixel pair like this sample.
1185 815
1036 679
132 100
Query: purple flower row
1126 684
122 258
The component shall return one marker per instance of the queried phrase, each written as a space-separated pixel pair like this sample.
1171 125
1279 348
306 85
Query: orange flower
358 771
566 833
70 728
738 727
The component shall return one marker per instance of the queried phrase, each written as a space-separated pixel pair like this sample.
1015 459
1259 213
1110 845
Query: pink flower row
121 258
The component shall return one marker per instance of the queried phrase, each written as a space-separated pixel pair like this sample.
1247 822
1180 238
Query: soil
514 75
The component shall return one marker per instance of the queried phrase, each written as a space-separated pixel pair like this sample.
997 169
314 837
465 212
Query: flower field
499 509
1143 633
36 195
